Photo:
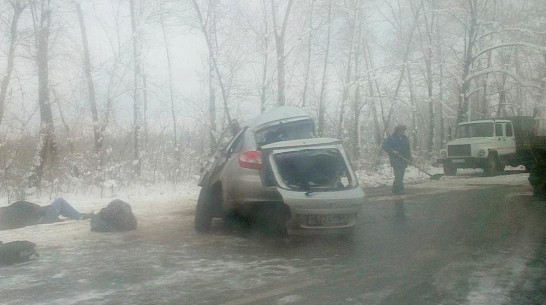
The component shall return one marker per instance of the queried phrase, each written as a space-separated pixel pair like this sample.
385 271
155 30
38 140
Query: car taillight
250 159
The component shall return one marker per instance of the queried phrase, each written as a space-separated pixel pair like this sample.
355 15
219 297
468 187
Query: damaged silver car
278 172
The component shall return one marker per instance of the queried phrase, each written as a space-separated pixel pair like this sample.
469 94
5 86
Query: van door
504 144
510 139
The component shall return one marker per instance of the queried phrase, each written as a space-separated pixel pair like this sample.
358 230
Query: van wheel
492 166
450 170
204 211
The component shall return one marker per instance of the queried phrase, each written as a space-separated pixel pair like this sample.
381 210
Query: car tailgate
330 191
343 201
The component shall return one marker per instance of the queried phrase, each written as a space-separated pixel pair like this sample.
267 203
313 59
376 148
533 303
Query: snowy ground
144 199
164 260
385 175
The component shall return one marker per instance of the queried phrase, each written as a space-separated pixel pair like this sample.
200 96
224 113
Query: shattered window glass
304 129
313 169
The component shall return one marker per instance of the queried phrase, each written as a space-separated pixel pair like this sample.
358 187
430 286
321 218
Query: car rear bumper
464 162
332 215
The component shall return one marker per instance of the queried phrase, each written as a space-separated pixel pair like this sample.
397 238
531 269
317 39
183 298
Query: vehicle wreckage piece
277 161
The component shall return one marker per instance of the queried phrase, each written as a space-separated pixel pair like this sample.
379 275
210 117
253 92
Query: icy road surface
463 240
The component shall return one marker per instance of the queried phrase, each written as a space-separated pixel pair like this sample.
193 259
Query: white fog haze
150 105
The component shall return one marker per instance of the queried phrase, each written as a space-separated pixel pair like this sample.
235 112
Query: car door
216 163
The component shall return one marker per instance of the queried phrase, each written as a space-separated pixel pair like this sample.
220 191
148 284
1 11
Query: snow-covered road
463 240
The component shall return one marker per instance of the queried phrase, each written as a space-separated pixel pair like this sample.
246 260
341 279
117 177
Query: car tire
450 170
492 166
204 212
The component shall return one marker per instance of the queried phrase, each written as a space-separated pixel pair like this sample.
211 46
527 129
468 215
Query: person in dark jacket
23 213
398 147
117 216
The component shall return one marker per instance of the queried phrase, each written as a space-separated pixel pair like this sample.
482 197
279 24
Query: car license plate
326 220
457 160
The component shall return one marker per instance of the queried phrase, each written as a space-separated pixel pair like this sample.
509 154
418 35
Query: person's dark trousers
59 207
398 185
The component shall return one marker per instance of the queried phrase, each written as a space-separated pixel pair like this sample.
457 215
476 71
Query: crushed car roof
279 113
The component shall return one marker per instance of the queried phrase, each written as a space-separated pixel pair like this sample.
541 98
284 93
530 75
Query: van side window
509 132
498 130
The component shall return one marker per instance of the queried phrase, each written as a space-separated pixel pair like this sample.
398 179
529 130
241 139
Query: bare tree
46 148
309 49
426 44
265 50
136 88
280 35
407 51
18 7
321 110
169 68
90 84
212 57
347 84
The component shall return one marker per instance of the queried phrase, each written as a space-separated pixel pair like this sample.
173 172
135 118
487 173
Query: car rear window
304 129
313 169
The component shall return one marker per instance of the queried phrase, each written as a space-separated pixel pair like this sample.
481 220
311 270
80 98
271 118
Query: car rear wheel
450 170
204 211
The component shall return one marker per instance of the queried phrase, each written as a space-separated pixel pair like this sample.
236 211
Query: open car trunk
312 169
315 180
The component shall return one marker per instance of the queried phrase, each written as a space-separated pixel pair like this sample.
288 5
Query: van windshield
304 129
475 130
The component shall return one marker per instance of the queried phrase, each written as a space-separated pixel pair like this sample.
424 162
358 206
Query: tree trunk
170 70
402 71
371 93
137 89
357 107
309 49
429 77
90 85
145 109
212 58
485 83
413 130
17 10
46 149
321 109
462 113
266 59
212 105
279 43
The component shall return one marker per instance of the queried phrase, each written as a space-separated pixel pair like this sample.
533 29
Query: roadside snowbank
385 175
140 197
